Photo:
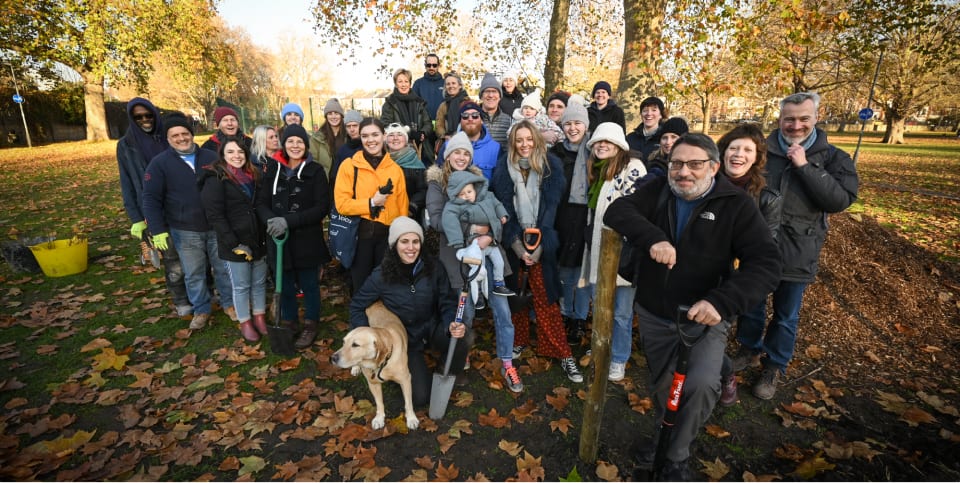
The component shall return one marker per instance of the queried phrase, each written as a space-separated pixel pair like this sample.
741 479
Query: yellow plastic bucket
60 258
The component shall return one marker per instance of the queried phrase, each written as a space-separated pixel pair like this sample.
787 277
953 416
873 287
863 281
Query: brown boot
307 334
249 333
260 323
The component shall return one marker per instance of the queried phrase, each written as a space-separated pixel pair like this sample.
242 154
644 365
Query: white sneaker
616 371
199 321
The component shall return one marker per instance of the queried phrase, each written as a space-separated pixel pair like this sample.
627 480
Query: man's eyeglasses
470 115
142 117
426 64
694 164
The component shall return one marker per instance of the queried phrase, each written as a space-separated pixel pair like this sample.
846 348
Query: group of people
526 189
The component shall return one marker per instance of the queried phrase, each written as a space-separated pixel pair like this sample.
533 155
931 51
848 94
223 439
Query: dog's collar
382 365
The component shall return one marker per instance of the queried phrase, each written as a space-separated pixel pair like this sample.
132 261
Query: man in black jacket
814 178
686 230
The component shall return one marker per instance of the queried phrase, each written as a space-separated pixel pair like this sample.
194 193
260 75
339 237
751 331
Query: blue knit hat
291 107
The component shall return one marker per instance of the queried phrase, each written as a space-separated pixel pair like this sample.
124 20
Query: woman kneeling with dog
416 289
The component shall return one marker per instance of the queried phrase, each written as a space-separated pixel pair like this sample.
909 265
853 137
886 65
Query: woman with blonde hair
404 107
529 182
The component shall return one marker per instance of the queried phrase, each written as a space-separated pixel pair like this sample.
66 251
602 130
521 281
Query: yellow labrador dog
380 352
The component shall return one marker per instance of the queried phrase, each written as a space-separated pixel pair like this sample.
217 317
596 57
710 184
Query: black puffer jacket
828 183
231 213
303 199
421 300
572 219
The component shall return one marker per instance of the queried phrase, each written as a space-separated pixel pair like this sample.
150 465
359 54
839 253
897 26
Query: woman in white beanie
512 98
403 153
614 174
414 287
459 157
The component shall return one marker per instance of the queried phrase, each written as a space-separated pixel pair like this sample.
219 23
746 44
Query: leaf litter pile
870 395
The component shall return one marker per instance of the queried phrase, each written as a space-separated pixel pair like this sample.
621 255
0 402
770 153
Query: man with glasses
814 178
496 121
485 149
144 139
430 86
686 230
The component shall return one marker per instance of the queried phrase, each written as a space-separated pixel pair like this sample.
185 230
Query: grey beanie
490 82
333 105
352 116
401 225
575 111
458 141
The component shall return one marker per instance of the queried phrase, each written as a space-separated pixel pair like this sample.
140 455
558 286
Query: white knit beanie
610 132
401 225
532 100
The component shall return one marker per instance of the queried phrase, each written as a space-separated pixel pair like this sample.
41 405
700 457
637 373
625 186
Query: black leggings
371 246
440 342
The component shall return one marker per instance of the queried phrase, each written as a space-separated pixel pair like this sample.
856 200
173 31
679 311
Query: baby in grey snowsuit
471 204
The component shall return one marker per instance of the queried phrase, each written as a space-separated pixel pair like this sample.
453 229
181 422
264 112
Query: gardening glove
161 241
244 251
276 226
137 229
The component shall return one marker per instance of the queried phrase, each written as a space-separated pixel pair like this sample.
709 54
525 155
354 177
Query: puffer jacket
485 210
232 213
368 182
828 183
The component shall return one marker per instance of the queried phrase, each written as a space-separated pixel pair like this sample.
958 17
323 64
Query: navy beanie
176 119
601 85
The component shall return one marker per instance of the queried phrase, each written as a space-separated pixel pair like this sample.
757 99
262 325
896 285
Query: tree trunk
96 114
557 47
895 130
706 107
643 22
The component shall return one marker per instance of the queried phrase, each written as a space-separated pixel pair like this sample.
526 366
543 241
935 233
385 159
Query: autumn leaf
251 465
530 468
939 404
62 445
144 379
799 408
562 425
463 399
47 349
520 414
460 426
229 464
717 432
810 467
286 471
814 352
424 462
715 470
98 343
446 442
748 476
289 364
448 473
638 404
607 471
107 359
558 402
205 381
493 419
509 447
913 416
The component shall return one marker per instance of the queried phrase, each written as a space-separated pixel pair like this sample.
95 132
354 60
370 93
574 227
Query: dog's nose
335 358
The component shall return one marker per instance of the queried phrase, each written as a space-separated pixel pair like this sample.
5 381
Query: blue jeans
782 330
502 320
621 339
198 250
574 300
249 281
309 284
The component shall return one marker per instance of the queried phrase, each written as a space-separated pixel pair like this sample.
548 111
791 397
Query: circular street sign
18 98
866 114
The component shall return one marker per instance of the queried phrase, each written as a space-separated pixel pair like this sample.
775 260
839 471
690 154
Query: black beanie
561 95
294 130
176 119
675 125
653 101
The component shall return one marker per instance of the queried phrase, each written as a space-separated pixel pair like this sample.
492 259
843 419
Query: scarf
407 158
243 179
578 183
453 110
526 194
742 182
407 106
597 185
373 160
806 144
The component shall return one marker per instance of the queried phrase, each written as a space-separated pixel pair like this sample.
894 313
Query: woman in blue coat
530 184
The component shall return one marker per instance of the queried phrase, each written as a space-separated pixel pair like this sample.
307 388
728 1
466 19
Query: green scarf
598 168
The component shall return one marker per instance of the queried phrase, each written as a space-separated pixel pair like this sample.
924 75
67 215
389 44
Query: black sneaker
503 291
518 351
569 366
481 303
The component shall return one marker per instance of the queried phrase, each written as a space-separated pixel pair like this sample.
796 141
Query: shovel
281 338
443 383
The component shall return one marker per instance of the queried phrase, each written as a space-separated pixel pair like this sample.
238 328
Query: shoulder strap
355 170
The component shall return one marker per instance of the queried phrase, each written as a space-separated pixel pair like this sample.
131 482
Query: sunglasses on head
141 117
470 115
427 64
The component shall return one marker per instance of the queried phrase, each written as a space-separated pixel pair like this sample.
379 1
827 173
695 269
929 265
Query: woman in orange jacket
370 185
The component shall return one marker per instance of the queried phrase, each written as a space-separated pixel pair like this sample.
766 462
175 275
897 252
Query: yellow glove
161 241
244 251
137 229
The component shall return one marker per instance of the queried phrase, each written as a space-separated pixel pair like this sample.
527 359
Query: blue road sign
18 98
866 114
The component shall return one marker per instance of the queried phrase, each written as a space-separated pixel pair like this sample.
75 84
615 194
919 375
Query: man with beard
430 86
485 149
814 178
175 216
686 230
144 139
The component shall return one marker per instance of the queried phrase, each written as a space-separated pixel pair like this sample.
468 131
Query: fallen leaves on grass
510 447
493 419
607 471
530 468
715 469
563 425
